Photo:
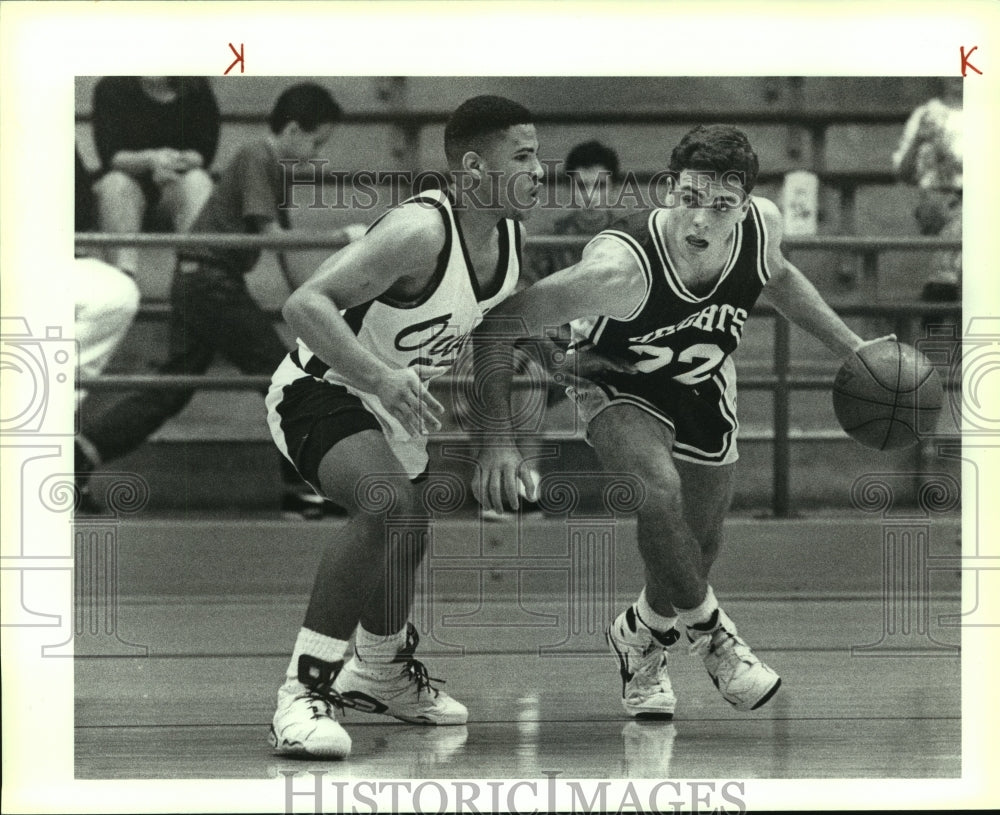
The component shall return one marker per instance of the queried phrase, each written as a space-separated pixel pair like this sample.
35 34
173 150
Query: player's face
706 212
514 173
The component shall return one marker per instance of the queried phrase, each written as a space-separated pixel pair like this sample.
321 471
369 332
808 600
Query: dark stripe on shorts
314 367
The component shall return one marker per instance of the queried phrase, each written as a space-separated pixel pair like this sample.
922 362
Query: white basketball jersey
430 331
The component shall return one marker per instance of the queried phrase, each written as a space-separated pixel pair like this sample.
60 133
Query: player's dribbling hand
404 393
866 343
503 476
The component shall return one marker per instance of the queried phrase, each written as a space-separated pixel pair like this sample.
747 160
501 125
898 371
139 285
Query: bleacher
843 129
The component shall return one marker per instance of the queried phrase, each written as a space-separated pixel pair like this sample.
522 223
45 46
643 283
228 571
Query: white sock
651 618
702 613
316 645
378 649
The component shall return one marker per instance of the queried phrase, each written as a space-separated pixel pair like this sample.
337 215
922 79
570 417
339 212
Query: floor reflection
648 748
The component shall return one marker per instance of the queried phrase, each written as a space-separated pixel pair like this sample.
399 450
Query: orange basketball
887 395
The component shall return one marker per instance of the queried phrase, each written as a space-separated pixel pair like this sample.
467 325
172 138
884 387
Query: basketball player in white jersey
374 324
668 291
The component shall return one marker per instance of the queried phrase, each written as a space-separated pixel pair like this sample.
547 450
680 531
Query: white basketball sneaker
304 724
400 688
742 679
642 659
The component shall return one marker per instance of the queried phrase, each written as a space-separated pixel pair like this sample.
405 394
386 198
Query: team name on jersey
436 341
716 317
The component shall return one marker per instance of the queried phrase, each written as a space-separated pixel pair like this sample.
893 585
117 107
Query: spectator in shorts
156 137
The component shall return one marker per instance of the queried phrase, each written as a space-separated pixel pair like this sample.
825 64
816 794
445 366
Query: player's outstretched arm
294 273
796 298
607 281
398 256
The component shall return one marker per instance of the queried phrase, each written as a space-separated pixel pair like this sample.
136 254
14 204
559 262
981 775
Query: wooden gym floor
188 691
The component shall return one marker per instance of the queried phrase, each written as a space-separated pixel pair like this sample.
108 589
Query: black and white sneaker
305 724
401 688
742 679
642 660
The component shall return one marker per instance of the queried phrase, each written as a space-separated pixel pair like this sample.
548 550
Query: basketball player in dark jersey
668 291
374 324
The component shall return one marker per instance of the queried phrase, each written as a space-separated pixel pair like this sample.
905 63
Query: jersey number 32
708 356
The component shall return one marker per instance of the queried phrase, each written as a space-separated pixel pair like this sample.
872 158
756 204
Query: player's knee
664 512
663 490
381 500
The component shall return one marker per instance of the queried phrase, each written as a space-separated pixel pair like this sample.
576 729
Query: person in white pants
106 302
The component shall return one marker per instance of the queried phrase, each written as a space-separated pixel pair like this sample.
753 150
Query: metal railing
814 124
781 381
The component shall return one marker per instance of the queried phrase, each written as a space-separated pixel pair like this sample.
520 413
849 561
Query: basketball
887 395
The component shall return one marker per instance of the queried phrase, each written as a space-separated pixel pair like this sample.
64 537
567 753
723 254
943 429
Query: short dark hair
477 119
721 148
590 154
307 104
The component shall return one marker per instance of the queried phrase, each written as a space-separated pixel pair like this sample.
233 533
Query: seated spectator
929 156
212 310
156 137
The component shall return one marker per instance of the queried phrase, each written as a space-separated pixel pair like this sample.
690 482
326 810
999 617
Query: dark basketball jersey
675 334
680 341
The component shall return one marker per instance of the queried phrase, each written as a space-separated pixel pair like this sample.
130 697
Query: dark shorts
702 418
313 416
